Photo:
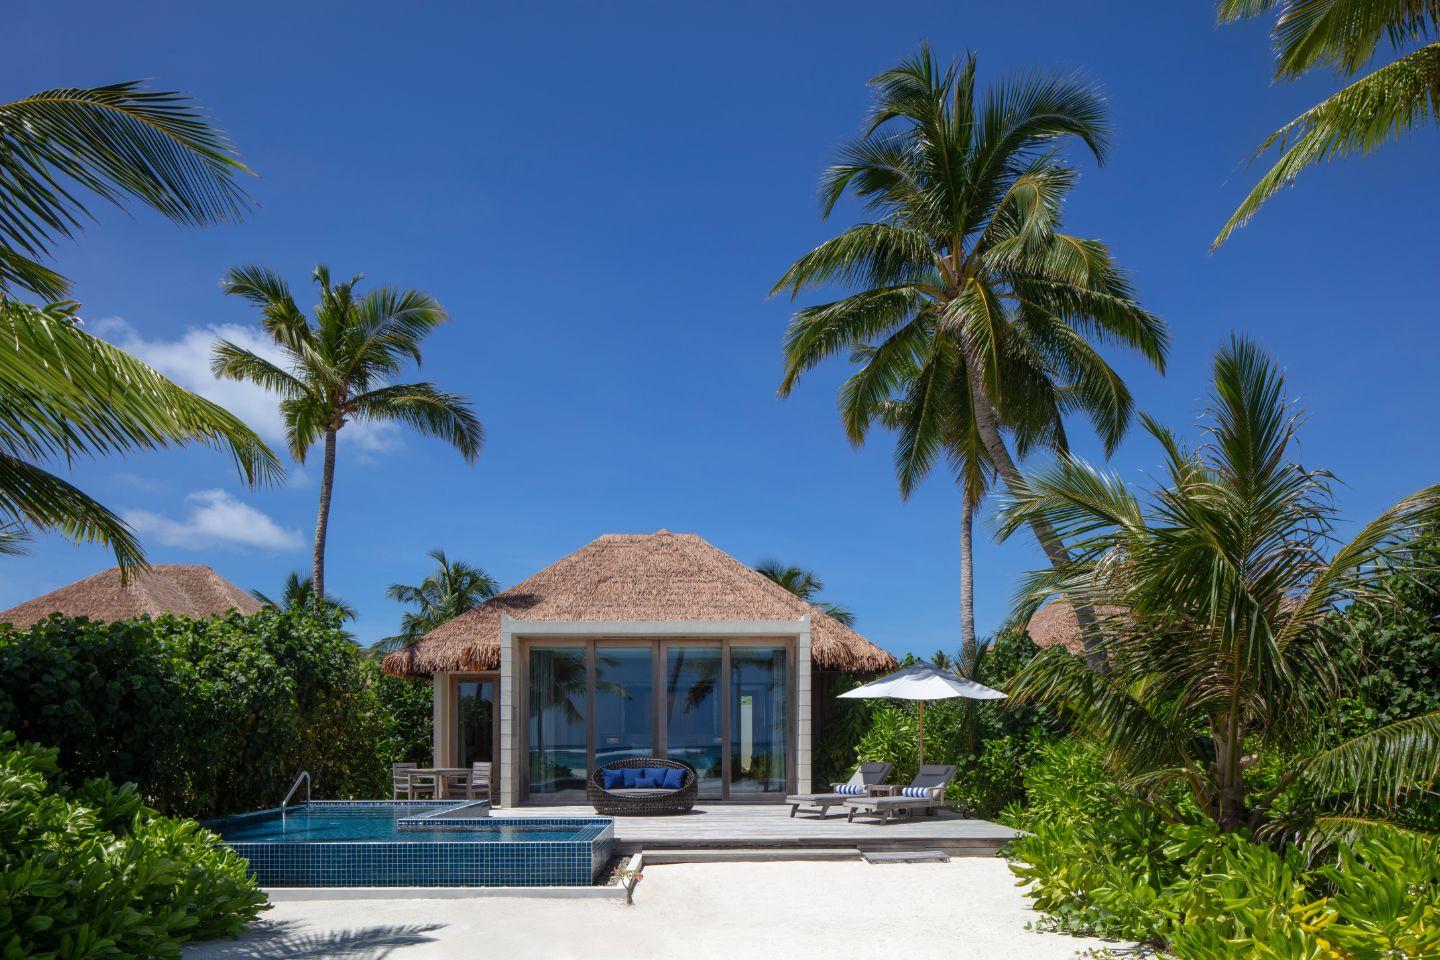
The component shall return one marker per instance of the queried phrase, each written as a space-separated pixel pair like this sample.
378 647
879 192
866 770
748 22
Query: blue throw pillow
632 776
650 779
612 779
850 789
672 779
918 793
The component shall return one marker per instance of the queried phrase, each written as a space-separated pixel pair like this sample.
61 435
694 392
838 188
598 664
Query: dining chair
478 786
400 780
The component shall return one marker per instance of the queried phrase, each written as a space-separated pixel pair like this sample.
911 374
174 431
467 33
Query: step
906 856
749 854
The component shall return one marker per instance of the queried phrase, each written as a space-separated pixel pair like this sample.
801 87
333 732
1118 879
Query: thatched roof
191 590
659 576
1054 625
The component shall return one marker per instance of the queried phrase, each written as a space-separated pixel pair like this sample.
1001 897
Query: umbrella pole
922 732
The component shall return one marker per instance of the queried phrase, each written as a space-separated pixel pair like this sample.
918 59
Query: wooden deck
770 827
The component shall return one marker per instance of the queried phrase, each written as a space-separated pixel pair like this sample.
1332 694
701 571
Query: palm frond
428 411
119 142
1363 116
1378 767
42 501
77 395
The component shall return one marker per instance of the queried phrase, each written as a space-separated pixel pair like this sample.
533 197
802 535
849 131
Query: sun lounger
867 775
926 792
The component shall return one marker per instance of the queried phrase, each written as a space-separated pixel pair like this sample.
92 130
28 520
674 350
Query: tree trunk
1231 811
987 423
322 519
968 649
967 583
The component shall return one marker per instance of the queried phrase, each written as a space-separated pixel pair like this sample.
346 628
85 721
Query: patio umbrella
920 682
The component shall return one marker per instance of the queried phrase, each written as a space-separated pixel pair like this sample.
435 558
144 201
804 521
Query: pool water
372 843
381 823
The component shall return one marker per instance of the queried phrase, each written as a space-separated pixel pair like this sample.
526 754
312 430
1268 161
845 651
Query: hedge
210 716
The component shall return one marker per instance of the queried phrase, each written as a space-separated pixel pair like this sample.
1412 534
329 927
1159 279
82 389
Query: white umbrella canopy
923 681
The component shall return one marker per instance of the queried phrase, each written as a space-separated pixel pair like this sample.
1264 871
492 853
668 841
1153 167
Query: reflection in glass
557 730
758 691
693 731
475 720
624 703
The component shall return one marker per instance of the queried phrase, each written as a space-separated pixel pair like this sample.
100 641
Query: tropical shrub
1092 856
207 716
1390 645
1098 861
91 872
407 714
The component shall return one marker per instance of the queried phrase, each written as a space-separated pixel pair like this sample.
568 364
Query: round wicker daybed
646 800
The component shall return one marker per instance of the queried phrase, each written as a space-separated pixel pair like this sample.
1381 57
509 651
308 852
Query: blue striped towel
853 789
919 793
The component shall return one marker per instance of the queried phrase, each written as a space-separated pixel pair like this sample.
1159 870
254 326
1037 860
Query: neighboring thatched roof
191 590
659 576
1055 625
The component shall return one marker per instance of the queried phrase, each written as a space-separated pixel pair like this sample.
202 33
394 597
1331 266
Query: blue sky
602 194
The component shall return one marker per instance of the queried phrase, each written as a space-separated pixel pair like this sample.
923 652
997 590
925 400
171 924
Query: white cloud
187 362
214 518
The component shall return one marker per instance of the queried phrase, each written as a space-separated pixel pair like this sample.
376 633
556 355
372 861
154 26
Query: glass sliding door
694 722
624 702
721 706
759 728
558 721
474 721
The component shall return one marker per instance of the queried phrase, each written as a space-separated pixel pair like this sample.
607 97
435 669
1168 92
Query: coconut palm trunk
322 517
987 424
967 580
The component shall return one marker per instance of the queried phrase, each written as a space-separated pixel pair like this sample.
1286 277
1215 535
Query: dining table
442 783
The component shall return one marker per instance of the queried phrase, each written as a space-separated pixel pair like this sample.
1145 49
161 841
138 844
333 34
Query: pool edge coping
624 892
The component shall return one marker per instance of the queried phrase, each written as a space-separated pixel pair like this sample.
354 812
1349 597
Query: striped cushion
920 793
853 789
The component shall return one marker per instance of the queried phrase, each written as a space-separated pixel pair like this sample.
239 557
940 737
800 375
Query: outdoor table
438 780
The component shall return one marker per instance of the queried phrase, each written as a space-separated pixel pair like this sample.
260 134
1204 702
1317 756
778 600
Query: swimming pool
363 843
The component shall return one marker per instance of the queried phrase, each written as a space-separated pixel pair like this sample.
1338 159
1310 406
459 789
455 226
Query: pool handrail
304 775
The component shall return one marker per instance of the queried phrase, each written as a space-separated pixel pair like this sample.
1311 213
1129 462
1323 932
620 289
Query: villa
637 646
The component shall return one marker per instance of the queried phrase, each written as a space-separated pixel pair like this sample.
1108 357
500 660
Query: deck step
906 856
749 854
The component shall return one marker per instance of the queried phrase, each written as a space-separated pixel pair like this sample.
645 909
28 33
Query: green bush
407 712
93 873
1389 646
1097 861
208 716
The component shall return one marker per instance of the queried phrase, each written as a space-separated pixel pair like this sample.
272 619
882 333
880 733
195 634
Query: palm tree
805 585
1377 108
69 394
1226 571
452 589
299 594
965 267
338 369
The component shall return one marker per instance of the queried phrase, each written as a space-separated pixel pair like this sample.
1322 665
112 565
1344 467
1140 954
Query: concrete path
962 909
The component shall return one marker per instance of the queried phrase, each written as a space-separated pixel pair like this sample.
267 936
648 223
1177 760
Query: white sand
968 907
